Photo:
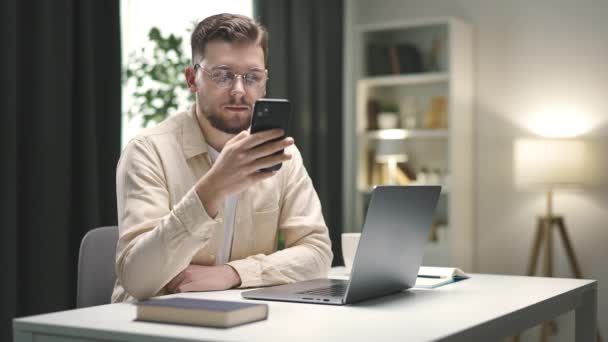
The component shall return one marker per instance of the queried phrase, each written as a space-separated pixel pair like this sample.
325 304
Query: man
195 213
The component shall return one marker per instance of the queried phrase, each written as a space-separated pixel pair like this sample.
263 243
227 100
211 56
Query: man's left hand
204 278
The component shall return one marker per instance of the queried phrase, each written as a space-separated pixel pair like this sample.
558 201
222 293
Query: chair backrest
96 272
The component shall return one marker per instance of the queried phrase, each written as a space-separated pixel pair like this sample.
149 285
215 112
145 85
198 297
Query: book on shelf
393 59
203 312
378 60
432 277
409 59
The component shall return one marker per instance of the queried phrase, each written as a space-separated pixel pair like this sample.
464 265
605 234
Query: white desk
483 308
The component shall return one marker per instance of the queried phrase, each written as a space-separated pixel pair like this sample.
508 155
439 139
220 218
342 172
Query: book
203 312
386 59
428 277
409 59
378 60
432 277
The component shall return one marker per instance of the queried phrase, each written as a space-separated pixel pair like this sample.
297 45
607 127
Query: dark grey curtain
8 148
305 66
60 134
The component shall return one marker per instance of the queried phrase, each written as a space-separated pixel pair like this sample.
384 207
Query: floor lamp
550 164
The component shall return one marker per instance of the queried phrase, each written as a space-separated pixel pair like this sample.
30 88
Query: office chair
96 273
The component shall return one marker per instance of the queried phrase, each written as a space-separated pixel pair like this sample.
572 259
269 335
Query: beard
232 125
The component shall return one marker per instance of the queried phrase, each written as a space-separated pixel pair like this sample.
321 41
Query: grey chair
96 273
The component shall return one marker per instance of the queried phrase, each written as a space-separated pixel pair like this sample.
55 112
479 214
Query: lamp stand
544 236
392 171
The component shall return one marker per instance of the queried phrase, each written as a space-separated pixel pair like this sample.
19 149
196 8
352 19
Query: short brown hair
232 28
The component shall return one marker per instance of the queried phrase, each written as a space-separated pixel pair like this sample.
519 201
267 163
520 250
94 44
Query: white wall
533 58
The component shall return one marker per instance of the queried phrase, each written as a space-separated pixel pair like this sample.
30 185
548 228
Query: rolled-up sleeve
307 253
157 240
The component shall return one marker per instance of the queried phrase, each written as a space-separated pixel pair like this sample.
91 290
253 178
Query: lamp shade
549 163
390 149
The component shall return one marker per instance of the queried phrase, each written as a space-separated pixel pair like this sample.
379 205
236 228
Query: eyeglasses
224 78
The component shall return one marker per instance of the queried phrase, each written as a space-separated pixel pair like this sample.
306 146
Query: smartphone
271 114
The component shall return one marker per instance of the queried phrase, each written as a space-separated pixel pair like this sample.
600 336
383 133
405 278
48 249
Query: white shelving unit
447 148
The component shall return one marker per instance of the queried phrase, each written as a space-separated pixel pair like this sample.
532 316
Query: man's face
229 109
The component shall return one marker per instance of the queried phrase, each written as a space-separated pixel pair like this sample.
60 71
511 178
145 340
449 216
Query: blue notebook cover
198 304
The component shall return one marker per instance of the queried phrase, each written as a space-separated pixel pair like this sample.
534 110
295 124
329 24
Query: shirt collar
193 140
213 153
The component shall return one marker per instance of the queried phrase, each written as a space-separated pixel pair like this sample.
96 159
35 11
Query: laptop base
297 292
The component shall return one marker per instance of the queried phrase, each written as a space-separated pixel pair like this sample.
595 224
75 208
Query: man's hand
204 278
238 165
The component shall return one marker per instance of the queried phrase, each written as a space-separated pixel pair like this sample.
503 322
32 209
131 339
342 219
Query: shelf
389 25
409 79
445 46
368 191
402 134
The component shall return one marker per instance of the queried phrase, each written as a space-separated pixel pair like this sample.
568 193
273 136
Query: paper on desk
442 272
431 277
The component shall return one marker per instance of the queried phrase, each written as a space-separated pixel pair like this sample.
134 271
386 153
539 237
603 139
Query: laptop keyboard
332 290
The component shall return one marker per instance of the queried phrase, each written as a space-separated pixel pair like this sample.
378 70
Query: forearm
309 258
149 258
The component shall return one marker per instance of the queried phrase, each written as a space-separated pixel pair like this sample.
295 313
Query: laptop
388 257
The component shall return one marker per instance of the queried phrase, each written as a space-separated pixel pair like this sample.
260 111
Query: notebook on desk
388 257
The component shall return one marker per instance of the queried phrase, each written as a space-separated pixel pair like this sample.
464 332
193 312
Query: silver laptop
388 257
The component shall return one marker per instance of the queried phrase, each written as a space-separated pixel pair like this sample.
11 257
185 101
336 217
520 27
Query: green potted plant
156 75
388 117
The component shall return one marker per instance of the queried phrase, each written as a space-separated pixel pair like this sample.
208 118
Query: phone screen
270 114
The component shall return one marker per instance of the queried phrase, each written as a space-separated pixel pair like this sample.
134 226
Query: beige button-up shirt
164 226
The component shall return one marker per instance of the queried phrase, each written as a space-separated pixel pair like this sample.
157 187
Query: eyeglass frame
236 76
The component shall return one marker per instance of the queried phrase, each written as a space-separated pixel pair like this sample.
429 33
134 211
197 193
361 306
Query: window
176 17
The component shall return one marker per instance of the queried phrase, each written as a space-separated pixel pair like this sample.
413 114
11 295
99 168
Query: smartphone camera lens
263 112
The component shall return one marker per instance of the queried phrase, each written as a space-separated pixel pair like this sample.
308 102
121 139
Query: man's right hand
237 167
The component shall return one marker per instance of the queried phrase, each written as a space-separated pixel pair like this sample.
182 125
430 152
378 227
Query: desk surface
488 306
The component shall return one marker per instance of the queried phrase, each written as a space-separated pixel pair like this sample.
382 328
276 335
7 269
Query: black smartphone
271 114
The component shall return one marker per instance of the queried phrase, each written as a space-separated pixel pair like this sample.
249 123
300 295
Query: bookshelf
408 120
